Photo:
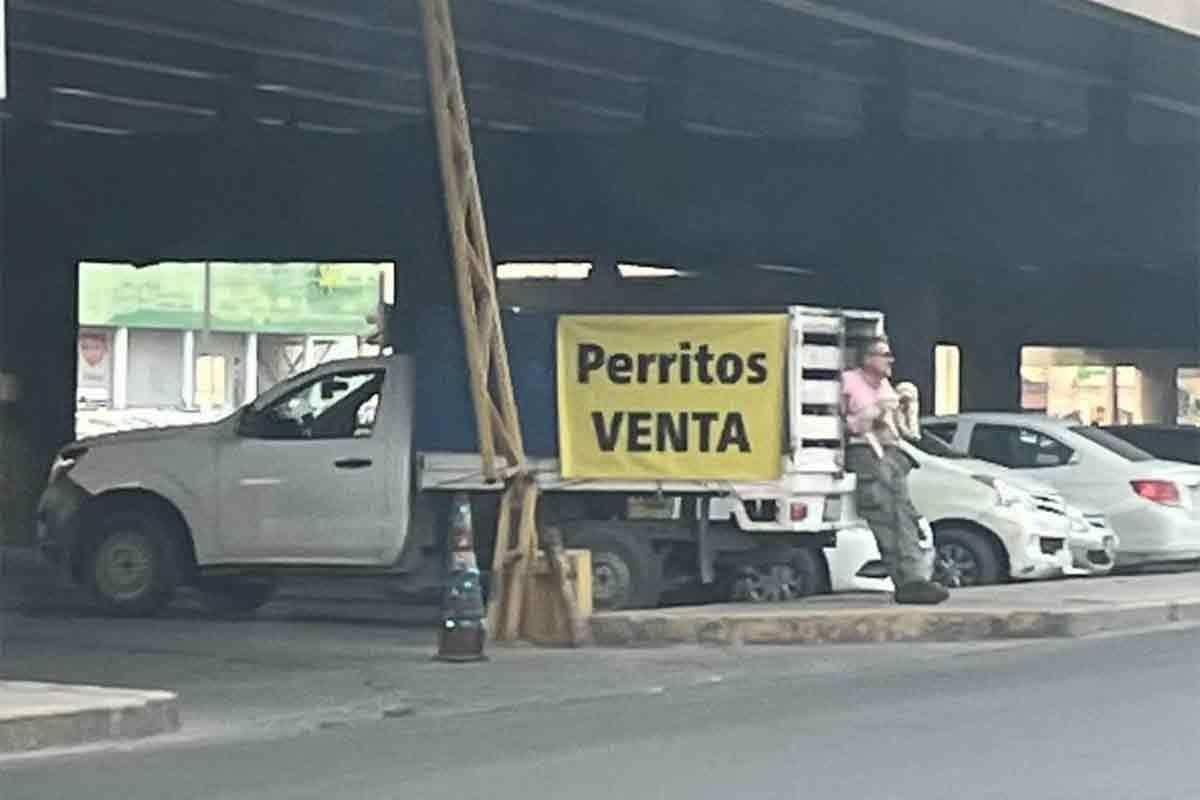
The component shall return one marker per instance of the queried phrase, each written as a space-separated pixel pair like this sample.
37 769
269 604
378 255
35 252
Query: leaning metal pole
492 394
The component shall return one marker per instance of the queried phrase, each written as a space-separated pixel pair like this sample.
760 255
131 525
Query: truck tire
964 557
802 575
131 565
626 572
812 569
235 597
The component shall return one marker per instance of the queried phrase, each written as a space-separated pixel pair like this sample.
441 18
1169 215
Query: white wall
155 368
156 363
233 347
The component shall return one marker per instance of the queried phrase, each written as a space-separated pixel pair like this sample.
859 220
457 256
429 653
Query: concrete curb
797 625
38 716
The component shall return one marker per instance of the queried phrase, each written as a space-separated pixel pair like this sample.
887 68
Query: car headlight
1007 495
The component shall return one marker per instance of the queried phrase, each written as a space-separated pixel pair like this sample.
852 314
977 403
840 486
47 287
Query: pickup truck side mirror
248 423
331 387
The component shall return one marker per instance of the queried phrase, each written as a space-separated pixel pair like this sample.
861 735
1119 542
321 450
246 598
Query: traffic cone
464 616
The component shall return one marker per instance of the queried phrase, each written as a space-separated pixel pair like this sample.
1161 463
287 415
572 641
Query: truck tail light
798 512
1165 493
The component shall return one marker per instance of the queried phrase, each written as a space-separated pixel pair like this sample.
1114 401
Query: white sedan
990 524
1093 543
1152 505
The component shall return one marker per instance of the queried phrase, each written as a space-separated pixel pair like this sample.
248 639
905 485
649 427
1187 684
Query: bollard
464 617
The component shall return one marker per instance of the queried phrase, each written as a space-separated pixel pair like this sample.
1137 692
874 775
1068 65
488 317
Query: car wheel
626 572
964 557
132 565
236 596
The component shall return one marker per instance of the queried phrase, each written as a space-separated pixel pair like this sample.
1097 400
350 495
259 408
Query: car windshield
1111 443
932 445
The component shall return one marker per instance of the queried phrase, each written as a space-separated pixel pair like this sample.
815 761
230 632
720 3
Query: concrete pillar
985 320
910 301
40 346
120 392
991 373
188 356
14 503
1160 402
250 365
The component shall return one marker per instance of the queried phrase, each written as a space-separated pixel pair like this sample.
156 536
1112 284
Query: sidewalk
1049 609
36 716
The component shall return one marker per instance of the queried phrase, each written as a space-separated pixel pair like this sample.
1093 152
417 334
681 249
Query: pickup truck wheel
131 566
626 572
964 558
231 597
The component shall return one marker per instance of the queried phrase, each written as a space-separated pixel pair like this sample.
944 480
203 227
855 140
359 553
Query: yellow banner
660 397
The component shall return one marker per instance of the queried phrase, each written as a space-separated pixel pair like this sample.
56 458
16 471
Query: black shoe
924 593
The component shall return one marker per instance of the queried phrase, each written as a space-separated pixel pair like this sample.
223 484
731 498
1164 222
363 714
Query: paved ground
304 710
267 678
1069 607
28 585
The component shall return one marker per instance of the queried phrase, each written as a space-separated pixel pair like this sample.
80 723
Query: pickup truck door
306 478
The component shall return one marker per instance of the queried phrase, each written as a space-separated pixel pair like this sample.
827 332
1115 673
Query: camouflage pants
883 502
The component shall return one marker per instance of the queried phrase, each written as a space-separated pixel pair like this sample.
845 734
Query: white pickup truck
321 474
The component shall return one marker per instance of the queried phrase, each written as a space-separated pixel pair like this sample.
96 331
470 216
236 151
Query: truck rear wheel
132 565
804 574
626 572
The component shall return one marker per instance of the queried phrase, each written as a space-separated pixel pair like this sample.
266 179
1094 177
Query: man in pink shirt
869 405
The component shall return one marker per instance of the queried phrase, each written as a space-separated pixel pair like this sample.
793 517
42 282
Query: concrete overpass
991 173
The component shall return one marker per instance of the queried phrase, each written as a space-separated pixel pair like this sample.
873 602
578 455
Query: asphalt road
276 710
